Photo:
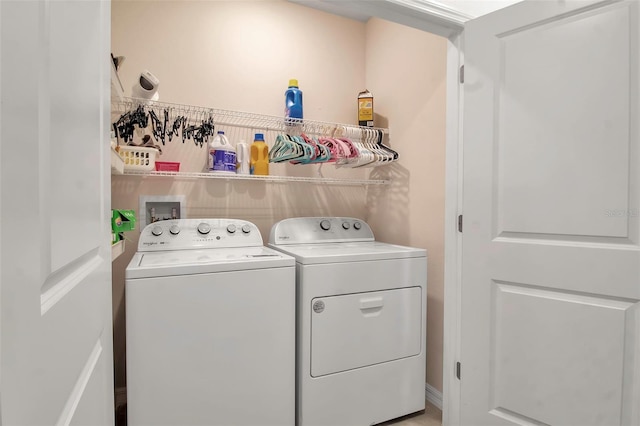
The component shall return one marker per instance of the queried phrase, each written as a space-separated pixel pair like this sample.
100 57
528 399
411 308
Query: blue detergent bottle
293 102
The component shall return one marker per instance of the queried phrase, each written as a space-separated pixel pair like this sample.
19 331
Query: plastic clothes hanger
366 156
309 141
391 152
323 154
349 149
331 147
279 149
379 156
309 153
284 150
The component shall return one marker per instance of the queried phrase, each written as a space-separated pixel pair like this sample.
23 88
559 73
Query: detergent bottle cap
259 137
293 83
221 132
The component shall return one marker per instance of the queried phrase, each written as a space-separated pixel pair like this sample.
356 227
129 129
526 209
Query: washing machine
361 319
210 322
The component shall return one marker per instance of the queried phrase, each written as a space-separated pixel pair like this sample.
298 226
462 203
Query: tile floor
431 416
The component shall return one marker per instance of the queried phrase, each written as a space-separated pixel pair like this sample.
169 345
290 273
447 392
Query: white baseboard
434 396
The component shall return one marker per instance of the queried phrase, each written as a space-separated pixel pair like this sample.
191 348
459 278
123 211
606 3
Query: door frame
452 236
440 21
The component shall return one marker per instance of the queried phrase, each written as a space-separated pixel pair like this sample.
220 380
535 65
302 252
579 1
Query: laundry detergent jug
222 155
293 103
259 156
242 155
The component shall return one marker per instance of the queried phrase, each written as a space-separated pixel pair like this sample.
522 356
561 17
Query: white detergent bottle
242 154
222 155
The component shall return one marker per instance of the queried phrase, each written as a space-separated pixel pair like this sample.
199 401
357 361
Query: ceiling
474 8
455 11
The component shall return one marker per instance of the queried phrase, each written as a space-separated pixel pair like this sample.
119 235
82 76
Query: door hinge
462 74
460 223
458 370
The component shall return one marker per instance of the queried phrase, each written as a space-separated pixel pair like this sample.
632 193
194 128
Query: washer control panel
308 230
186 234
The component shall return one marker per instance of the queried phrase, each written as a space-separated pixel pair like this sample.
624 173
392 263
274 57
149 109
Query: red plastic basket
167 166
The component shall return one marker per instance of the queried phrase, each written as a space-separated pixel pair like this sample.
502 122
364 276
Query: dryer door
357 330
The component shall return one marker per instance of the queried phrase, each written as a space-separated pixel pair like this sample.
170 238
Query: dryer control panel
309 230
188 234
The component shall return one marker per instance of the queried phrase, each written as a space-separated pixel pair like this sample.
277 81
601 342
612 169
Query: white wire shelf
246 119
276 179
242 126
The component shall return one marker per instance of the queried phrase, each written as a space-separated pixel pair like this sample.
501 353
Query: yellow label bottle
365 108
259 156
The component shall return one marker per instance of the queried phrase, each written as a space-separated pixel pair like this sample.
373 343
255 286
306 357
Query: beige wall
239 55
406 73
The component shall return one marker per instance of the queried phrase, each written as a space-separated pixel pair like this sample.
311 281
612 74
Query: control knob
231 228
325 225
357 226
156 230
345 225
204 228
246 229
175 229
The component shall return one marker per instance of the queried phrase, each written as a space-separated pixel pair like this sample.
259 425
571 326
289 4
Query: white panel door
55 288
551 254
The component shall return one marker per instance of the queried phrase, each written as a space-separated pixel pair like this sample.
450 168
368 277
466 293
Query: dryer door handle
371 303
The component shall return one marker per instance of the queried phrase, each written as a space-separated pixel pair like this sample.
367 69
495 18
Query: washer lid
188 262
310 254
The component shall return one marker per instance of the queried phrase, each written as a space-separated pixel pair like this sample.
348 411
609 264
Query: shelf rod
274 179
236 118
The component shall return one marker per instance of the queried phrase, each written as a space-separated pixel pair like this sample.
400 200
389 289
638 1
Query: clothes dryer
361 319
210 321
